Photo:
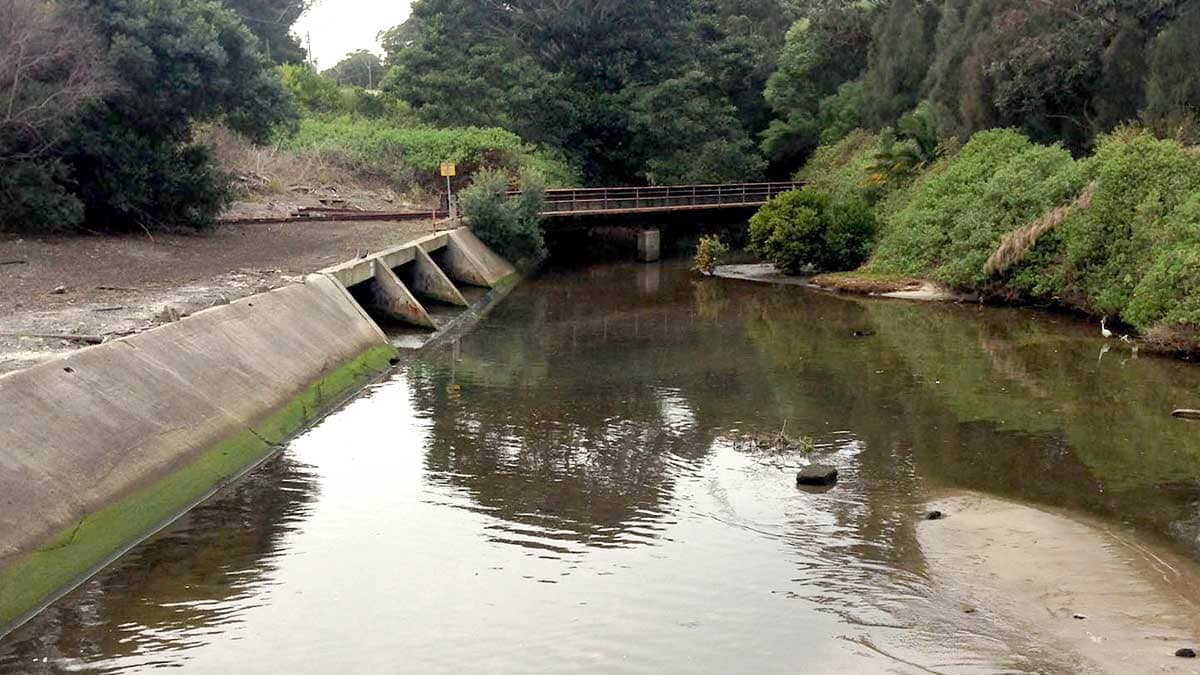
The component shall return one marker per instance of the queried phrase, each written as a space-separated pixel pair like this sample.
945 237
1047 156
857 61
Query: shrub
1169 291
955 218
844 167
509 226
799 229
1140 181
709 253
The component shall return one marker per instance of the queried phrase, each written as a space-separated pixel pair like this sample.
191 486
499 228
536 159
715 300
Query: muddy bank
1076 587
61 294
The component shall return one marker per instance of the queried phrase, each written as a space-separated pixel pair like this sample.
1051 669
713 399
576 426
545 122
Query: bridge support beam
649 245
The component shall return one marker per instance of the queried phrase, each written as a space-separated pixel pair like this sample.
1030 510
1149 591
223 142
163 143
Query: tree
701 141
900 57
51 67
1173 90
271 22
132 159
822 52
359 69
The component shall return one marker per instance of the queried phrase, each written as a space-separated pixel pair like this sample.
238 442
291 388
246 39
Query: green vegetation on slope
1116 233
410 155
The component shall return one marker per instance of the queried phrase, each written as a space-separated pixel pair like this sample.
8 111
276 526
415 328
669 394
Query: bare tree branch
51 66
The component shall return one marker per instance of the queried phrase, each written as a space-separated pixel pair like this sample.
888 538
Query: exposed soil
102 287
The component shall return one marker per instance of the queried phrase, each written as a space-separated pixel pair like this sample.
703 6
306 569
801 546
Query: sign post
449 170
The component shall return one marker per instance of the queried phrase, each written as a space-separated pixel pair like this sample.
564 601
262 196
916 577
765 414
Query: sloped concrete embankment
100 449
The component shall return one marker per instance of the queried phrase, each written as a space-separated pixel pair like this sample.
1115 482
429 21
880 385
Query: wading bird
1104 328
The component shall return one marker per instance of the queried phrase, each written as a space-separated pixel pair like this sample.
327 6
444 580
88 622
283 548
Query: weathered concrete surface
99 449
429 280
470 261
392 299
649 245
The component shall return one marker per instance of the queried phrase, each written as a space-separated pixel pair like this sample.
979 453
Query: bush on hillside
956 217
843 168
808 228
511 227
1140 181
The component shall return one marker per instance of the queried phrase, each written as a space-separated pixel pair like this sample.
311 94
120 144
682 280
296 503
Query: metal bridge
577 202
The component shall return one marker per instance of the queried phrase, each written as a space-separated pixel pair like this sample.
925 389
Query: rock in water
934 515
817 474
1186 653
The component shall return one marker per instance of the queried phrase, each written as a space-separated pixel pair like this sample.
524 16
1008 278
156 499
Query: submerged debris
778 443
1186 653
934 515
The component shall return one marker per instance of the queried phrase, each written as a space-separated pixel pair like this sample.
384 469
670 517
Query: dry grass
271 170
1017 244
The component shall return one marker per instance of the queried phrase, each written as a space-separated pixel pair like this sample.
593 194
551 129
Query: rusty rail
583 201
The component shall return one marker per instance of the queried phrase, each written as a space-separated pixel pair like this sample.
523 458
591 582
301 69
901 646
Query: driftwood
86 339
1185 414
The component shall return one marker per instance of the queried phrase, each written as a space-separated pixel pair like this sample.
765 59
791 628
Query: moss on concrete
77 552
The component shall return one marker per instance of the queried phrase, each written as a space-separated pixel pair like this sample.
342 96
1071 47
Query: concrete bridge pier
649 245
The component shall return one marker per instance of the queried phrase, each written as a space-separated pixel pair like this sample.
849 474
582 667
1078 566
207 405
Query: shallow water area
569 489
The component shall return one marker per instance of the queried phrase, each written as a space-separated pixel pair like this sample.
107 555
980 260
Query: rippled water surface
568 490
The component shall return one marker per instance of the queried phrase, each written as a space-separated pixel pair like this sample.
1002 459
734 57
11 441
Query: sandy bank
895 288
1036 571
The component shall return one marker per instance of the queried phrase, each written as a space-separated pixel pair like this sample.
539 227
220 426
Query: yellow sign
448 169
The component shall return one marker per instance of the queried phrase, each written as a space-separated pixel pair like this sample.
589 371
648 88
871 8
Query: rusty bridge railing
583 201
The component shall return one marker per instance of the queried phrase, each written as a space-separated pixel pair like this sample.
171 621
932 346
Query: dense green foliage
805 229
657 91
955 218
509 226
127 159
1116 233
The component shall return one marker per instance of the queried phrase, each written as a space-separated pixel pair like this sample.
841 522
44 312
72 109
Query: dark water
565 491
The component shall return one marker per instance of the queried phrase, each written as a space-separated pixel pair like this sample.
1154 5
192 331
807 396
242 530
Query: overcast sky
339 27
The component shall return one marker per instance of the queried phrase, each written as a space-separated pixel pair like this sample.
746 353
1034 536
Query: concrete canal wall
103 447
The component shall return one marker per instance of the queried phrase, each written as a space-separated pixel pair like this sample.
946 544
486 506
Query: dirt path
104 287
1107 602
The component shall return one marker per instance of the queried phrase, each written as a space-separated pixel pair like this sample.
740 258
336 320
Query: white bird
1104 329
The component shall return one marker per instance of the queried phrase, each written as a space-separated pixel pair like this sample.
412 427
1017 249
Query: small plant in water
781 443
709 253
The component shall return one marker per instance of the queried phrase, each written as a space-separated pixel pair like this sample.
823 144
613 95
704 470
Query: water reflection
174 592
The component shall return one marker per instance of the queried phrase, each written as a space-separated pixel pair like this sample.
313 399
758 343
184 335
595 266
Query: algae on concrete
32 582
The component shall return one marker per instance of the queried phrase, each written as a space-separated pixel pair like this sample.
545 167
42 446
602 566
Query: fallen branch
1186 414
13 262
